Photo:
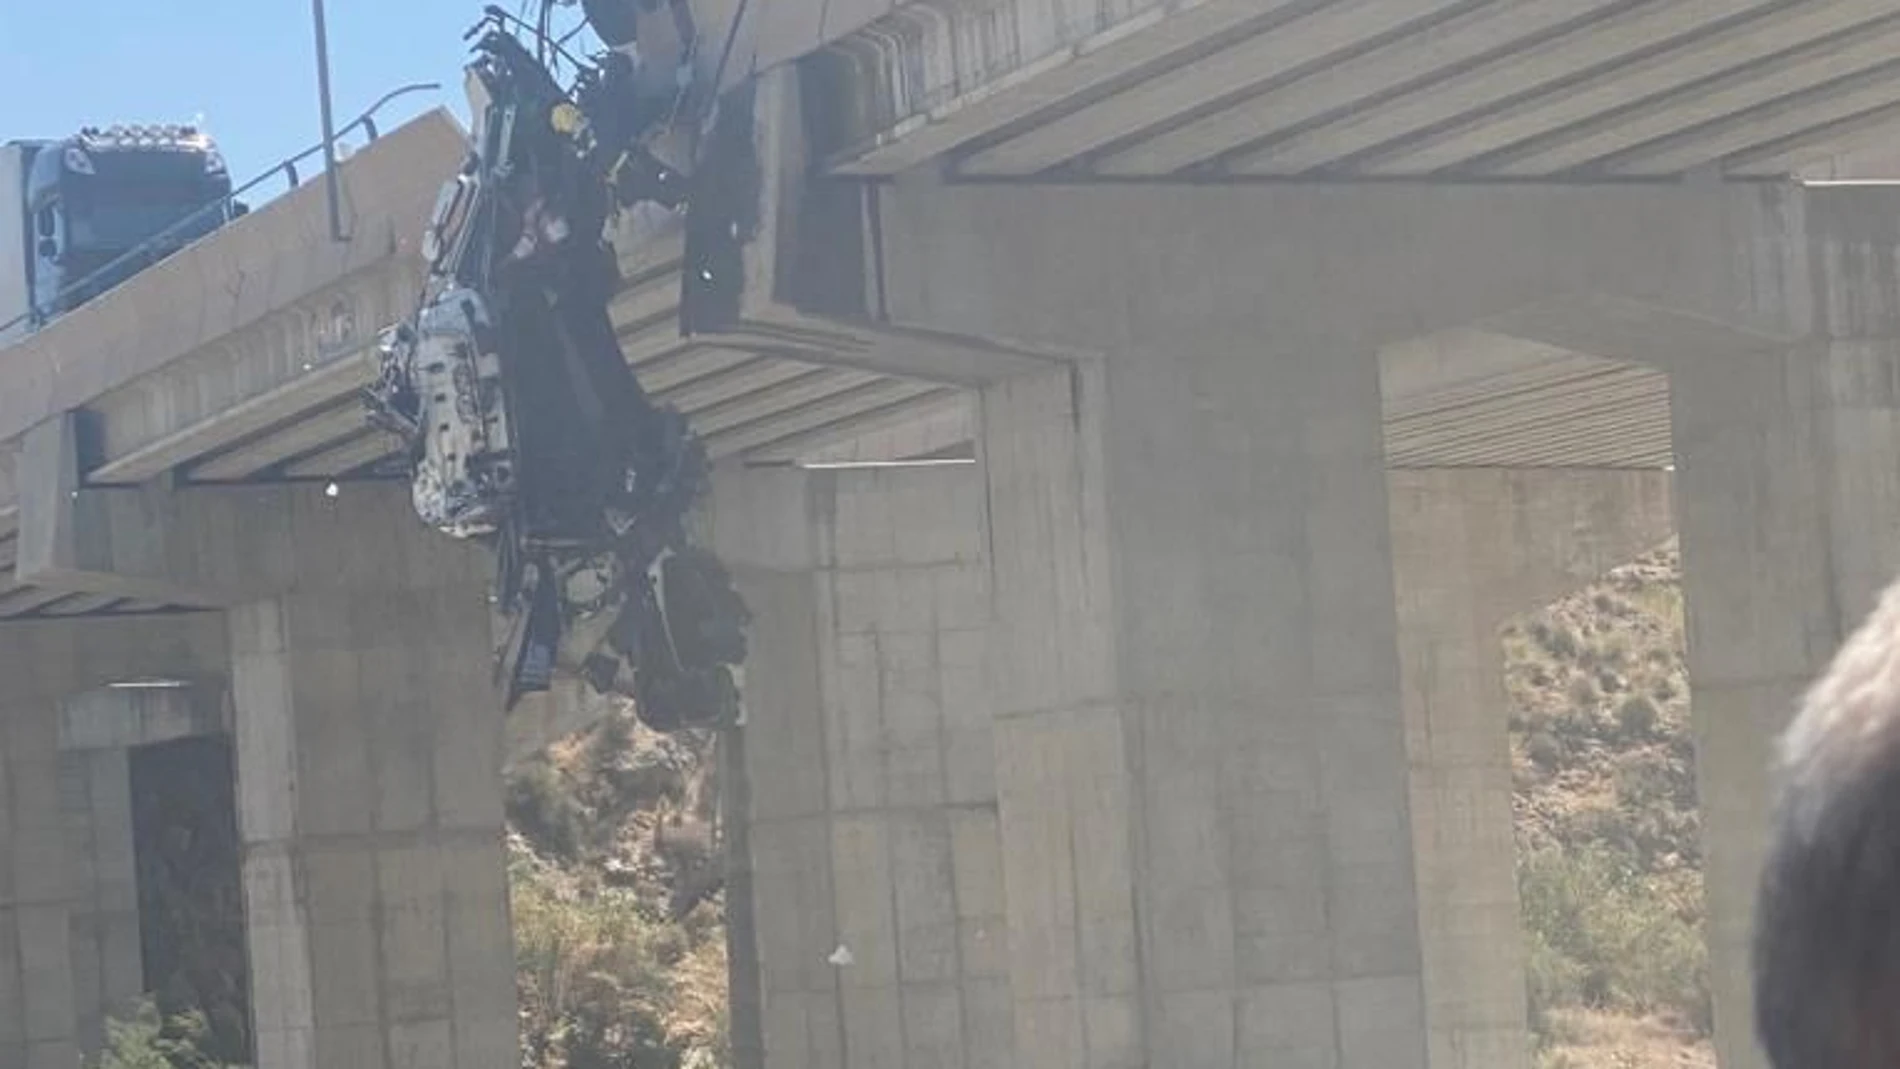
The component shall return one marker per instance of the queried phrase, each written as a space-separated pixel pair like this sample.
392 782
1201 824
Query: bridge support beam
1196 653
1472 548
201 547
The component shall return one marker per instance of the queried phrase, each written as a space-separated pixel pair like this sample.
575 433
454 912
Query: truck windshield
114 220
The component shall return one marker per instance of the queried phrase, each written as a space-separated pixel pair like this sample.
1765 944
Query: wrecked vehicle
524 425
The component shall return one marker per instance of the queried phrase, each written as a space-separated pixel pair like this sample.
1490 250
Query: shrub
1638 717
605 982
148 1040
1558 641
542 807
1602 937
1544 751
1583 693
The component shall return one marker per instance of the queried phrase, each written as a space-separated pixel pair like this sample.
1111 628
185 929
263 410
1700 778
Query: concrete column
97 731
1472 548
369 792
872 817
107 963
1789 504
1761 620
37 1022
1201 749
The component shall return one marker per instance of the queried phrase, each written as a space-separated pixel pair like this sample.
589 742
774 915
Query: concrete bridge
1293 346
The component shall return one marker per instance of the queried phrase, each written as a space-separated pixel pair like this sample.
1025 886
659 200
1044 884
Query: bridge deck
238 359
1370 89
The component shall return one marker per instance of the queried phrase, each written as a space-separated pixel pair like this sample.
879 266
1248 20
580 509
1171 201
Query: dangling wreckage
525 427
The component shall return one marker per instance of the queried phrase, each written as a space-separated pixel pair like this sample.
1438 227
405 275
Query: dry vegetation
1609 862
619 932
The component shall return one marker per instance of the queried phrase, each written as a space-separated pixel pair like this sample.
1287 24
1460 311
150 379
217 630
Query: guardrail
227 204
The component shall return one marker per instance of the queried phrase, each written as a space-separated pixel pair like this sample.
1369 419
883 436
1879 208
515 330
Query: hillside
619 929
1609 859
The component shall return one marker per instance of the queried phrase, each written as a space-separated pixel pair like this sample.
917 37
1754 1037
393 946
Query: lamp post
329 131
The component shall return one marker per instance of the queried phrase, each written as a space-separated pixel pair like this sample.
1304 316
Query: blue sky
247 66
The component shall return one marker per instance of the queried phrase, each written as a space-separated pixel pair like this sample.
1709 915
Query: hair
1827 927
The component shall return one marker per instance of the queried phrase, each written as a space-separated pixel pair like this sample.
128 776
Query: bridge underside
1464 398
1368 89
1303 90
768 394
271 396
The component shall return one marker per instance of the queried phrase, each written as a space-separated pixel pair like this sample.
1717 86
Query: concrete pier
1472 548
1789 500
877 866
369 753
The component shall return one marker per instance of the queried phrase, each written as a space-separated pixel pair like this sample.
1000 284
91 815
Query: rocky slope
619 930
1607 826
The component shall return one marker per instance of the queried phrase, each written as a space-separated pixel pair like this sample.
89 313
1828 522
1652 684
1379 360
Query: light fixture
850 465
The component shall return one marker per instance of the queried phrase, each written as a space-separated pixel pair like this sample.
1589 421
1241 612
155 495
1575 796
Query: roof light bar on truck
287 166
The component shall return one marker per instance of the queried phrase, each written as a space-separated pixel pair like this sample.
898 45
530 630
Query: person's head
1827 927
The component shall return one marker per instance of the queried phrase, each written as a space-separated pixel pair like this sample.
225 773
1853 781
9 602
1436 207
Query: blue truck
82 214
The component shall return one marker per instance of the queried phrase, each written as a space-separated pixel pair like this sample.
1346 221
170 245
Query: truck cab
96 208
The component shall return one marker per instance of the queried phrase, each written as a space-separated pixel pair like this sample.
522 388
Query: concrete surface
369 755
1422 89
873 822
1247 401
1471 398
1789 503
97 731
855 576
1201 759
37 1020
38 667
1471 549
1665 275
107 963
369 758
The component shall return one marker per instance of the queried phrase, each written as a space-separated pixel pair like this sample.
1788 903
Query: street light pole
329 130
